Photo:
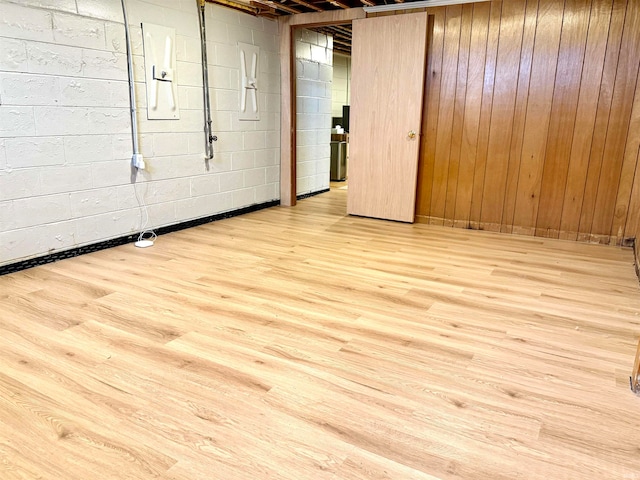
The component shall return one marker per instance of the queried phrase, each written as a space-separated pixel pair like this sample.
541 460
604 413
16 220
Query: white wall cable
147 236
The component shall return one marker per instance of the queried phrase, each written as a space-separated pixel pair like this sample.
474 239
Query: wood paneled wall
532 119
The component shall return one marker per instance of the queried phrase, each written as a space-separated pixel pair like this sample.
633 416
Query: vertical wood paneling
430 114
537 128
632 156
602 118
502 113
543 72
458 114
585 117
485 114
563 116
445 114
519 116
621 105
626 202
473 103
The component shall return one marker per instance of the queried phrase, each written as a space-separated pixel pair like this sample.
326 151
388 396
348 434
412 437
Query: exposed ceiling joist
297 9
338 3
309 5
278 6
344 30
237 6
264 10
341 42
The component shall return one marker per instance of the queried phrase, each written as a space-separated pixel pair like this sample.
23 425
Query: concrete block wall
341 83
65 144
314 72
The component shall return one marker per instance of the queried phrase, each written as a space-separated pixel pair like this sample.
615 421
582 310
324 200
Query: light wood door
388 59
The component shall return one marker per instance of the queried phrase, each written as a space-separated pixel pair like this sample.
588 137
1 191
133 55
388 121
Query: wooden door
387 85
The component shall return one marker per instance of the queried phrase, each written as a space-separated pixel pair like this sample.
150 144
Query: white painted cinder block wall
341 85
65 145
314 71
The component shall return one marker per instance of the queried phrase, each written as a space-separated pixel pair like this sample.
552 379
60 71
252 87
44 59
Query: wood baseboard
528 231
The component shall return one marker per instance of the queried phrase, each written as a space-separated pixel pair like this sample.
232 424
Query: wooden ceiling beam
338 3
342 39
264 10
344 30
236 6
334 34
340 42
326 31
279 6
308 5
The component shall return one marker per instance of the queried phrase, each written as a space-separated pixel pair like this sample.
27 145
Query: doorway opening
308 109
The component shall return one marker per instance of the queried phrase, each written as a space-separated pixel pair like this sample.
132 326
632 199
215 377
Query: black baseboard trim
312 194
115 242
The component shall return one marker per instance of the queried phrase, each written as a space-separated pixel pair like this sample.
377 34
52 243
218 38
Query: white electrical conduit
137 160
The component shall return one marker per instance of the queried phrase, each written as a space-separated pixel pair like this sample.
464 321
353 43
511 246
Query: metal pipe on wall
209 137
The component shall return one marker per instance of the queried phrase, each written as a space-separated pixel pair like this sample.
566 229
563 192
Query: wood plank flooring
299 343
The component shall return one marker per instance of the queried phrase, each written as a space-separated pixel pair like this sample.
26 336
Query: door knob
411 134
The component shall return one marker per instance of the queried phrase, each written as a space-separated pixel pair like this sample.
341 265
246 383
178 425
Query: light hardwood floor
299 343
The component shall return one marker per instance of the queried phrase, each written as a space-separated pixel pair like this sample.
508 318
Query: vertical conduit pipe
209 137
136 160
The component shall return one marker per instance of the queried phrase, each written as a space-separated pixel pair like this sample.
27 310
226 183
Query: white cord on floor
144 213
